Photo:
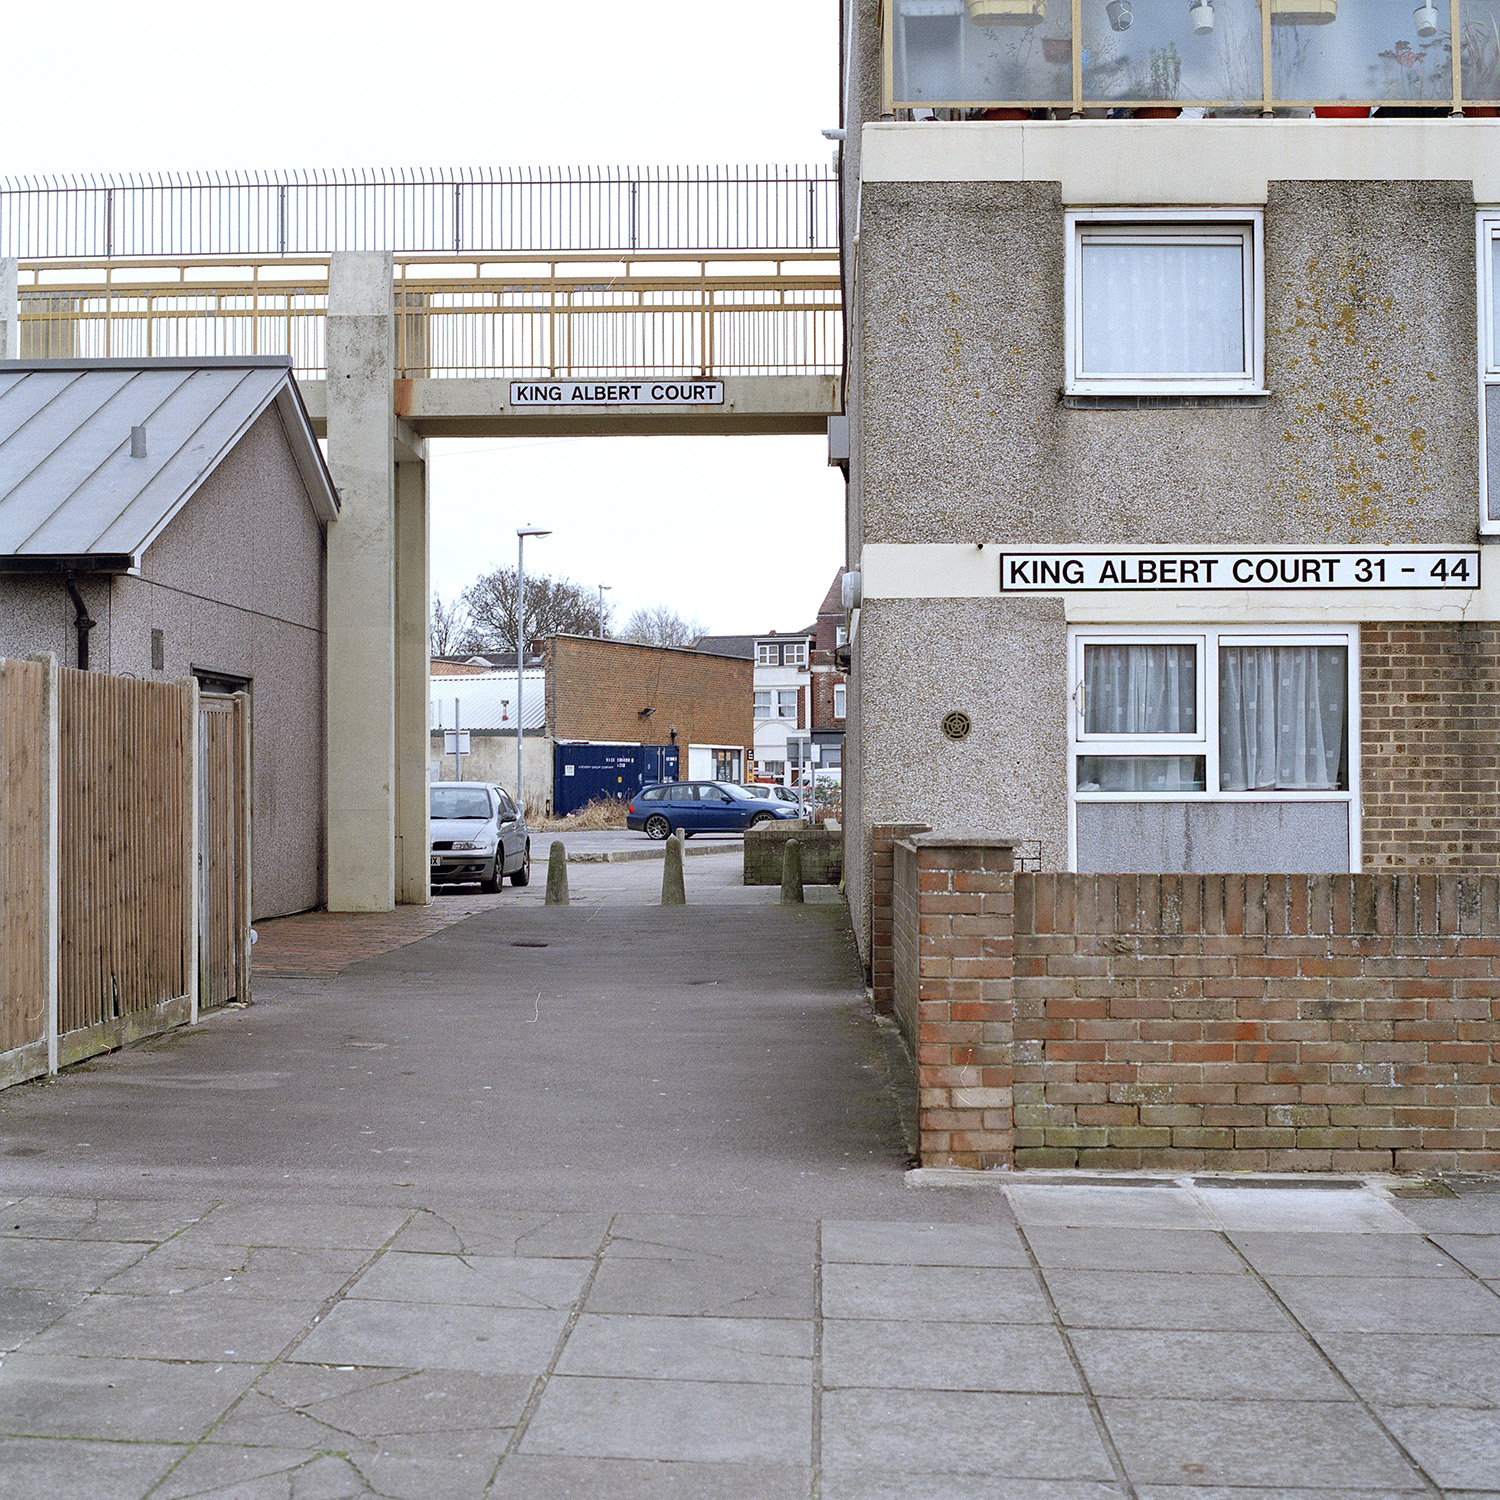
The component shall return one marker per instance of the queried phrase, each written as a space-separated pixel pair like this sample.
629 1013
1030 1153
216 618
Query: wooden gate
223 849
25 897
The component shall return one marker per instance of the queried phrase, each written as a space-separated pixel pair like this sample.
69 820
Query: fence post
10 312
50 875
193 883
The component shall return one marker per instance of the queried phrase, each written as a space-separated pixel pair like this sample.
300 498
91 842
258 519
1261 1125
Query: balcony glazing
1227 56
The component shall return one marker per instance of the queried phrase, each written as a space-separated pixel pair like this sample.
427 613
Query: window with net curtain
1282 718
1160 304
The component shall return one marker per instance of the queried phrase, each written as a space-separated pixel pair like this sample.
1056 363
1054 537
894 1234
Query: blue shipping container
586 773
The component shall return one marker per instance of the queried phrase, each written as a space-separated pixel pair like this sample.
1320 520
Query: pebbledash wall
967 441
1196 1022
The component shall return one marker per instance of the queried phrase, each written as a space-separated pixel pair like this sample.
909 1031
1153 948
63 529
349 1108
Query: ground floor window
775 769
726 765
1211 713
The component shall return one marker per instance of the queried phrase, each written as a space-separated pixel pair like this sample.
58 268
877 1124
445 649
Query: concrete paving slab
239 1271
1370 1304
962 1432
889 1484
1409 1369
1296 1444
1130 1299
1459 1448
478 1231
1186 1362
1085 1207
1259 1492
857 1242
945 1357
954 1294
61 1265
1188 1251
526 1477
25 1312
293 1474
201 1324
1480 1253
473 1280
492 1340
703 1287
680 1236
768 1351
99 1471
436 1413
135 1400
590 1417
1318 1253
312 1226
1294 1210
75 1219
1469 1215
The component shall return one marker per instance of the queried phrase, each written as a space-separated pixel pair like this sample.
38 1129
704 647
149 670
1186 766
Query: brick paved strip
323 942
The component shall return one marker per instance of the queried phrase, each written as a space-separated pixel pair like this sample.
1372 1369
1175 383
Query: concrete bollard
673 892
557 874
791 871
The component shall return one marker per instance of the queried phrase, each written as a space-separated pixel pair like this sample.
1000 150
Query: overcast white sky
174 86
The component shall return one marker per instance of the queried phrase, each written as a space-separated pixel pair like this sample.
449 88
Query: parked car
774 790
478 833
700 807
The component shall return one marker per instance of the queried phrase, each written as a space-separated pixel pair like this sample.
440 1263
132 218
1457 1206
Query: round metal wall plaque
956 725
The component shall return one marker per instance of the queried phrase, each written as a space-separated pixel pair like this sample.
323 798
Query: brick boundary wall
1224 1022
883 840
954 904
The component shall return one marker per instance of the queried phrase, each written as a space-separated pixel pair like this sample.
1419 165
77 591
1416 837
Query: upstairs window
1162 305
1489 370
762 703
794 654
840 700
786 703
765 654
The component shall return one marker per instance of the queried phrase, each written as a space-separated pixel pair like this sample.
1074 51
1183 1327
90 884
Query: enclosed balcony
1017 59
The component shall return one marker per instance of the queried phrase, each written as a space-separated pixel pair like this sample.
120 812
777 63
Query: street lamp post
522 532
602 588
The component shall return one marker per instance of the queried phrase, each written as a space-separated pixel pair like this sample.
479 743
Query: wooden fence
25 973
124 861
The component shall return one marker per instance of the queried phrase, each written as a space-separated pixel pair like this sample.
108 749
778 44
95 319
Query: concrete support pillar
10 309
361 585
413 593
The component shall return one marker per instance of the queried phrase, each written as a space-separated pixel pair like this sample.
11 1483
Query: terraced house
1174 373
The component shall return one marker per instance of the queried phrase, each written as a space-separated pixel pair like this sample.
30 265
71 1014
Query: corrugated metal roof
69 487
488 701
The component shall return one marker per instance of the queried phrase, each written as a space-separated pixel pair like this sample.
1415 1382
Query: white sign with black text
1306 568
616 393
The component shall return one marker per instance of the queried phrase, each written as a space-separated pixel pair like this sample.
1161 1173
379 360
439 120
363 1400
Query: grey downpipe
81 621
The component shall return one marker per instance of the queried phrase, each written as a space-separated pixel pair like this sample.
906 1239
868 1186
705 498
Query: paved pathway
610 1202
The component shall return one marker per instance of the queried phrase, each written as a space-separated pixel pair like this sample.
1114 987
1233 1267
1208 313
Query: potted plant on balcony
1479 49
1007 12
1303 12
1163 78
1201 17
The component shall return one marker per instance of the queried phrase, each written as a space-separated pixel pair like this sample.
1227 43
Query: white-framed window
794 654
840 635
786 703
1489 372
775 769
840 700
762 703
765 654
1165 302
1213 713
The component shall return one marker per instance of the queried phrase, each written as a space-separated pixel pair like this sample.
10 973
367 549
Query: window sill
1124 401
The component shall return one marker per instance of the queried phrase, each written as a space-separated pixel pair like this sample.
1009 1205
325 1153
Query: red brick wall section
1283 1023
955 901
1181 1022
883 839
1430 715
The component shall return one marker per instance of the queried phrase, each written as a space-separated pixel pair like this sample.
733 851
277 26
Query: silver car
773 790
478 833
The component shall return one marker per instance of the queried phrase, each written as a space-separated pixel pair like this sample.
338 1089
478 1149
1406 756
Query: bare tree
660 626
450 632
554 606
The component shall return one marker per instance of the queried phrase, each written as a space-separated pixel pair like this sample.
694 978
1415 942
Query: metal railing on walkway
532 315
420 212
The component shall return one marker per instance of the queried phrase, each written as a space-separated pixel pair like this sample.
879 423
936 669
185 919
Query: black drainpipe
81 621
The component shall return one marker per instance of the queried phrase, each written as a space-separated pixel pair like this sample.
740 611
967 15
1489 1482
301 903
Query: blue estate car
700 807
